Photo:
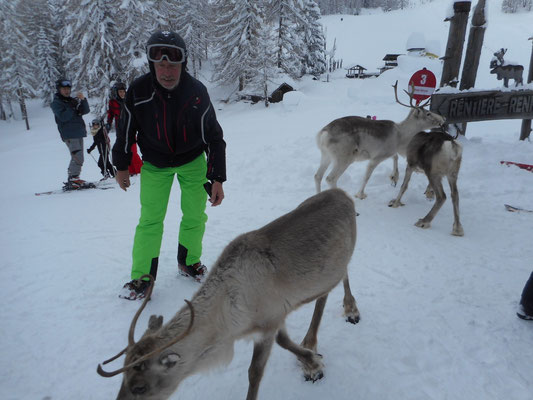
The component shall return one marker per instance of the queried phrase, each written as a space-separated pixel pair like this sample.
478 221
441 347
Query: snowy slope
437 311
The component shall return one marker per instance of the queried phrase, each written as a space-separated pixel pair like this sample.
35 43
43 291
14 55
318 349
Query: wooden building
356 71
391 61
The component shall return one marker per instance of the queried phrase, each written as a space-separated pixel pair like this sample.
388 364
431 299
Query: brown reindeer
436 154
259 278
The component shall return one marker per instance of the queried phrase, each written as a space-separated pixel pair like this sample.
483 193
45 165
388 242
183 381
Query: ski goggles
65 83
173 54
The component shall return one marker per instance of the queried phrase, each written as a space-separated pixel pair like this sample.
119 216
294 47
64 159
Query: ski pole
94 159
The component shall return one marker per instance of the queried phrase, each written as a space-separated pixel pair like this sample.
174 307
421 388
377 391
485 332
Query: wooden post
473 50
454 48
526 123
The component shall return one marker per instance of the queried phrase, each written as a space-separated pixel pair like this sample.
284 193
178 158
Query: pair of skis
102 185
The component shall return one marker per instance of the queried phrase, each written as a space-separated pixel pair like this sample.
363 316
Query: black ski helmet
116 87
63 82
119 86
166 37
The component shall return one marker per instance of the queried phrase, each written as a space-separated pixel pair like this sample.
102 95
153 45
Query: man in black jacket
170 116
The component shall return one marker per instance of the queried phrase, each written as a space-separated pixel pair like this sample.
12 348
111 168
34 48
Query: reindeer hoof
395 204
361 196
423 224
313 367
353 319
458 231
315 377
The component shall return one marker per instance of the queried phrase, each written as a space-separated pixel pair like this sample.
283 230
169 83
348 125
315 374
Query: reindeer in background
505 70
349 139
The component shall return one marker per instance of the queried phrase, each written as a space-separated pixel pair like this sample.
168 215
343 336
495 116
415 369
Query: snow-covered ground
438 311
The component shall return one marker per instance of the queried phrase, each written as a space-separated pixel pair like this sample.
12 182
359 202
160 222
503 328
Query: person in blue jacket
68 113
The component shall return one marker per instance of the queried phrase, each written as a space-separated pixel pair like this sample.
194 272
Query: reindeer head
151 368
425 118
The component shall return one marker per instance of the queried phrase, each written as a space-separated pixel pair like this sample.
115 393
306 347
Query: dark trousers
106 168
527 296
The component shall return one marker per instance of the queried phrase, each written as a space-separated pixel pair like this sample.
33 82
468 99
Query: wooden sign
483 106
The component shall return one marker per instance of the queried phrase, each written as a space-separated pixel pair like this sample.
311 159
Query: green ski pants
155 191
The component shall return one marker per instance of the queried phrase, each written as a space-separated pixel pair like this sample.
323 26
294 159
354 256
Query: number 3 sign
422 84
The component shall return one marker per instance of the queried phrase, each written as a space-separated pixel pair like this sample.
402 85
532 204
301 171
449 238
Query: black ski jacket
101 139
172 128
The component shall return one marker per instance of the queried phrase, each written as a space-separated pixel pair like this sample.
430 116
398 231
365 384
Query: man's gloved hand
89 151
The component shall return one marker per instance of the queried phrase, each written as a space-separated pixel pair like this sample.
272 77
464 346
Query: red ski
527 167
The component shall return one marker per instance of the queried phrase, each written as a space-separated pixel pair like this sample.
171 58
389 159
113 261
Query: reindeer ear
169 360
155 322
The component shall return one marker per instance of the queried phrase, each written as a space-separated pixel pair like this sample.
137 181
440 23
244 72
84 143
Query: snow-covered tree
48 72
513 6
91 41
192 22
288 16
263 60
136 20
237 25
48 53
18 66
314 40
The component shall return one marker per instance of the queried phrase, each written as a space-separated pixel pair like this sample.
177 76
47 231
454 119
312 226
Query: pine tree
288 18
192 22
315 55
263 59
48 73
237 25
54 26
513 6
136 20
18 70
47 47
92 42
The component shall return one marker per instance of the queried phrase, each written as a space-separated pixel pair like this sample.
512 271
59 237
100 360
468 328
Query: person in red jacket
118 93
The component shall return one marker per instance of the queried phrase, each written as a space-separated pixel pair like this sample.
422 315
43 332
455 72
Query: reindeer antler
106 374
395 86
411 98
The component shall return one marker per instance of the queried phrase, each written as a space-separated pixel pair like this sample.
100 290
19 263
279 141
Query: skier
68 113
101 140
170 115
118 93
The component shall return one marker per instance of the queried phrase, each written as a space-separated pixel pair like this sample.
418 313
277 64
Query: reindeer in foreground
437 154
259 278
349 139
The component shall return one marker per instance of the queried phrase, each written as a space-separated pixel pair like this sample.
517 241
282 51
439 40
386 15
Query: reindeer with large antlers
349 139
259 278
